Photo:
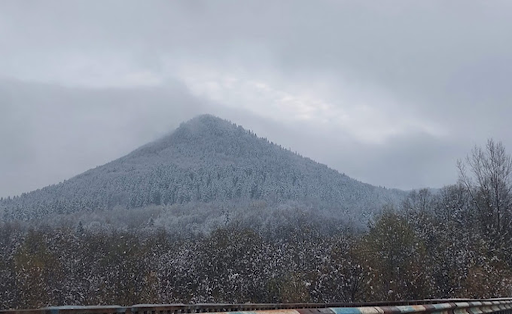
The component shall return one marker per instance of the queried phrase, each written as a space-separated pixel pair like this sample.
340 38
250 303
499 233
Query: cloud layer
390 93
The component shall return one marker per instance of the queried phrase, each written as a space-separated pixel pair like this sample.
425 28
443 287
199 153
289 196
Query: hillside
206 160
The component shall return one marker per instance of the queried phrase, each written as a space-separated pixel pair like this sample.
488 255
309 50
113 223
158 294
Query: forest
205 161
451 242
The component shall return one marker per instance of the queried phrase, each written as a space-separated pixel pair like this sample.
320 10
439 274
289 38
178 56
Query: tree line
452 242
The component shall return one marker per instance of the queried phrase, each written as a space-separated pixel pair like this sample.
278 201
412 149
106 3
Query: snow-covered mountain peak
207 159
196 132
206 126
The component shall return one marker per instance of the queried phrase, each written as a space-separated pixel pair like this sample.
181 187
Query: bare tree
487 175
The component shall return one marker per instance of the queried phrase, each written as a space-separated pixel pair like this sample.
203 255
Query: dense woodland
454 242
206 160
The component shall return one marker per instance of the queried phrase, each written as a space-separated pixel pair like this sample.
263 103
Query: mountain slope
205 160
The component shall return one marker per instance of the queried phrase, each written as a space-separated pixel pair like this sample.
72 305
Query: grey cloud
50 133
446 63
411 161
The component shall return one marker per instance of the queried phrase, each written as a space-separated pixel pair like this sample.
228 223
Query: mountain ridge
206 159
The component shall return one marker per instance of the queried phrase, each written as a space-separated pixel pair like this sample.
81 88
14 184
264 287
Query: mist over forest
214 214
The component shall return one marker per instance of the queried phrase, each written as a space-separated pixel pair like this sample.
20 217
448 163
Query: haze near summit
390 93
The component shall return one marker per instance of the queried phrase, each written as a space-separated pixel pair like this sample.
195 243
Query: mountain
207 163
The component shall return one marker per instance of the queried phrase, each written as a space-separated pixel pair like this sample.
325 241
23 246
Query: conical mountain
205 160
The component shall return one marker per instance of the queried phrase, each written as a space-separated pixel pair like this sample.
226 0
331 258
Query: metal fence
434 306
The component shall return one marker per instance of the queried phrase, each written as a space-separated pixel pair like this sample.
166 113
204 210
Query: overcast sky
389 92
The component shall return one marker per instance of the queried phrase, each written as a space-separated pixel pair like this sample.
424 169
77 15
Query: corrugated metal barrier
443 306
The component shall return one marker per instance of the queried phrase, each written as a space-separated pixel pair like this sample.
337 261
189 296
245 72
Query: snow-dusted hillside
206 160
